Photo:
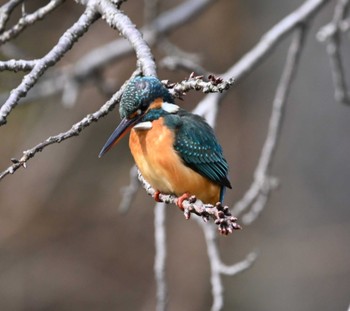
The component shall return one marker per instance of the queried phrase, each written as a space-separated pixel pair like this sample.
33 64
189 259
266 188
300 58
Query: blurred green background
65 246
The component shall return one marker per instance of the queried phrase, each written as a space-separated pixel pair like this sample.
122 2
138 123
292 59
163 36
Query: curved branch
118 20
258 193
5 12
330 34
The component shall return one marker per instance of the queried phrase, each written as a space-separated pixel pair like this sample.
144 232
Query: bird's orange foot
184 197
156 196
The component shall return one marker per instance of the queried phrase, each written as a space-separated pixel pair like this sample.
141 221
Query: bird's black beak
124 126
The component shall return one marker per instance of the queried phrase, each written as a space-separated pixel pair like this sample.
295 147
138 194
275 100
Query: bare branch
29 19
213 85
218 268
259 191
160 255
128 192
50 59
220 214
331 35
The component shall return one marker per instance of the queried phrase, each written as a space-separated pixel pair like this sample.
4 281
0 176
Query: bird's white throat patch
143 126
171 108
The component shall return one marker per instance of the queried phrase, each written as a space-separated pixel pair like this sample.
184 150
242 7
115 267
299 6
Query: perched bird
176 151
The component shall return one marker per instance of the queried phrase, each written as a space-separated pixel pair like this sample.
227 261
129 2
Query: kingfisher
176 151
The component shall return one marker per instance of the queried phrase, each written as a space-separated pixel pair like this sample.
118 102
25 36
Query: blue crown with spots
140 92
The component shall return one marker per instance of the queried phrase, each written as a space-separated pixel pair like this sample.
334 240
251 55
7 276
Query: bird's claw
156 196
185 196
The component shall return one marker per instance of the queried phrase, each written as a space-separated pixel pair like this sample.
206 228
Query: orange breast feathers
164 169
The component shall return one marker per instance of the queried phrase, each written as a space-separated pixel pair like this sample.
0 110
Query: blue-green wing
198 147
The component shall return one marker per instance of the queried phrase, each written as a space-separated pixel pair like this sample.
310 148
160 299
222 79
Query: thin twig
118 20
160 256
258 193
213 85
128 192
331 34
29 19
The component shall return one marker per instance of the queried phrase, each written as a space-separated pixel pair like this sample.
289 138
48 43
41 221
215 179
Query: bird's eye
143 93
144 105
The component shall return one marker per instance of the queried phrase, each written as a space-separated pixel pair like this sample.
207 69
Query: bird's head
137 100
139 94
